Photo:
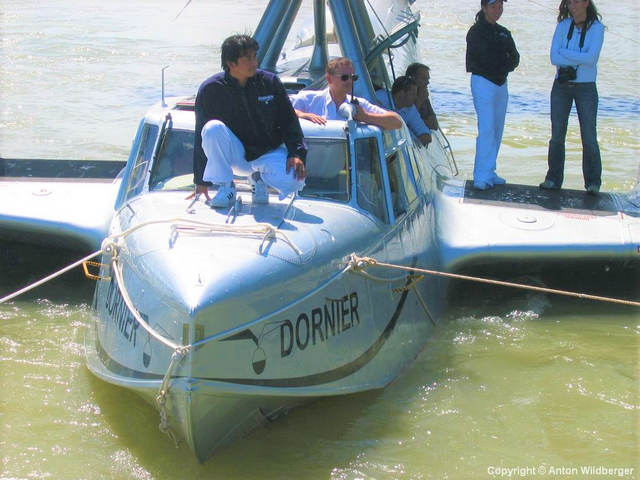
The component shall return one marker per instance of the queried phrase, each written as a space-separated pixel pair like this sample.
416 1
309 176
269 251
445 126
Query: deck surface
14 169
564 200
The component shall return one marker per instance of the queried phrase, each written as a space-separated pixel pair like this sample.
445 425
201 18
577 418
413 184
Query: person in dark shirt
245 125
491 55
422 74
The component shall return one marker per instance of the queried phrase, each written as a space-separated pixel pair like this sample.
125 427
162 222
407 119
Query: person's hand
200 189
312 117
299 172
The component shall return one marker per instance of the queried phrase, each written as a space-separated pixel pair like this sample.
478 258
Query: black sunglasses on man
344 77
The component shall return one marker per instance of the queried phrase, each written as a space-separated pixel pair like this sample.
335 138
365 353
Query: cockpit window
173 169
403 191
327 170
140 168
371 196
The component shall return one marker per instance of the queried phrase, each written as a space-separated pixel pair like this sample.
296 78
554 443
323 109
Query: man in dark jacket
245 125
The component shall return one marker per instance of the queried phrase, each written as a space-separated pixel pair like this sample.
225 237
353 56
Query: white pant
490 102
226 157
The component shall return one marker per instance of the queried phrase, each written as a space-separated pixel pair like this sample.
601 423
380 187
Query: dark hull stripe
330 375
120 369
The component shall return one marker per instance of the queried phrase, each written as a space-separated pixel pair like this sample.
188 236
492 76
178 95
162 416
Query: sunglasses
346 76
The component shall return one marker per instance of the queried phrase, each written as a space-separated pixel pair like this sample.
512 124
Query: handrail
453 158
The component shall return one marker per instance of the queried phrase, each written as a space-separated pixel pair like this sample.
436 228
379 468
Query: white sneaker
226 195
259 192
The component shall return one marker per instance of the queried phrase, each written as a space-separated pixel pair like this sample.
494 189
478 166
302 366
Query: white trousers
490 102
225 158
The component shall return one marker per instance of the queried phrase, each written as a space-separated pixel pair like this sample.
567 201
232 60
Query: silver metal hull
517 227
57 203
276 329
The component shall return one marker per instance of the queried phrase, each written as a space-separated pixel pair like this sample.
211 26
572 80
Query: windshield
327 169
173 169
327 166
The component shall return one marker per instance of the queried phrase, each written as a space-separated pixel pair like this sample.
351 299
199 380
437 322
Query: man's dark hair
402 83
236 46
414 68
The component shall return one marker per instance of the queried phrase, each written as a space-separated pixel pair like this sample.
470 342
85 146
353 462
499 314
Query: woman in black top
491 55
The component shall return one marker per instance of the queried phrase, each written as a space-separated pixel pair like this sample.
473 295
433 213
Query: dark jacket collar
486 24
231 80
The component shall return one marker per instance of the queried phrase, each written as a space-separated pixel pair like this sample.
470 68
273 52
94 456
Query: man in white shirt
405 92
320 106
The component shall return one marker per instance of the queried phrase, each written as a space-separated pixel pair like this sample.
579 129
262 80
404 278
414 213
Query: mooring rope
257 229
117 274
50 277
361 262
263 230
165 424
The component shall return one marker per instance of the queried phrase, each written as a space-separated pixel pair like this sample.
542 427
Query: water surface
509 379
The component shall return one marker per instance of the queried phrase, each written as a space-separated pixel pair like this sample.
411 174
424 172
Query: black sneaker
593 190
549 185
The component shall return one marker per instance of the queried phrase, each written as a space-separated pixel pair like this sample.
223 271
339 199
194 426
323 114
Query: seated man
420 73
245 125
404 92
320 106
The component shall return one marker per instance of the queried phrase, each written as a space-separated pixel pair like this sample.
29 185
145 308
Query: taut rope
361 262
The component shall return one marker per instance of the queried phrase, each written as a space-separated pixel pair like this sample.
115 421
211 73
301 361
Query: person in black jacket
245 125
491 55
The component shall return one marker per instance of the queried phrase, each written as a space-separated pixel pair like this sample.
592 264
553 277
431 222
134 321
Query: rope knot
161 399
358 263
108 246
180 352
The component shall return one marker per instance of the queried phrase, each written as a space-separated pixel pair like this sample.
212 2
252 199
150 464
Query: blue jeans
586 97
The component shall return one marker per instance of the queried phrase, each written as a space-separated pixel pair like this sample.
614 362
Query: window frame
141 161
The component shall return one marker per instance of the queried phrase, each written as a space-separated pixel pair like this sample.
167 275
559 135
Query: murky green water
510 380
528 381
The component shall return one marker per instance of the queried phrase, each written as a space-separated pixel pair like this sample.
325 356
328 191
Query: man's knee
216 137
212 127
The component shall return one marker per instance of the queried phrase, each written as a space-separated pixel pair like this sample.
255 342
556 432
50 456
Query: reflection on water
508 379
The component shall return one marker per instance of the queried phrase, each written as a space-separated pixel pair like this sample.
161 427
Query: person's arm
425 139
423 95
416 125
431 122
312 117
591 54
371 114
301 106
387 120
429 115
559 37
512 55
